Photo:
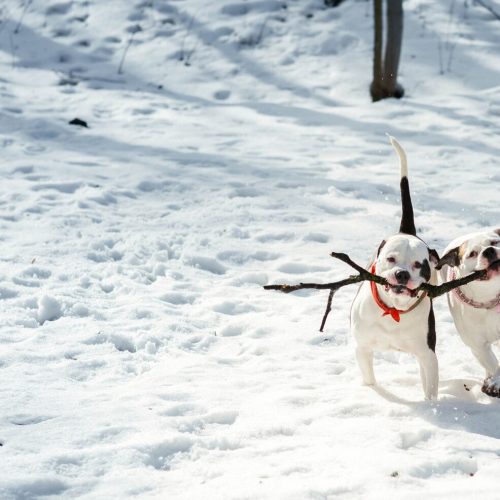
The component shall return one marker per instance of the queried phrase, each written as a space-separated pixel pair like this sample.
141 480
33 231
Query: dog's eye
392 260
417 265
495 243
472 254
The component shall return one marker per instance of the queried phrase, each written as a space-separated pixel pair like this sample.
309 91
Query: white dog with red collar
394 317
476 307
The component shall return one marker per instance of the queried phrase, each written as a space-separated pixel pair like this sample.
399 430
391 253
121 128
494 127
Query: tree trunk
377 85
385 71
393 47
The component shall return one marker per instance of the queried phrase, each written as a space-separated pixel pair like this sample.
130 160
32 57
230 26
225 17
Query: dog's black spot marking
407 219
431 331
433 256
380 247
425 270
490 253
452 258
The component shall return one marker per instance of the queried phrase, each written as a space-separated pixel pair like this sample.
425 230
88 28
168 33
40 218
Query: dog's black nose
402 276
490 253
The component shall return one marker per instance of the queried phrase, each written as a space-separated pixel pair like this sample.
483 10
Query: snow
140 356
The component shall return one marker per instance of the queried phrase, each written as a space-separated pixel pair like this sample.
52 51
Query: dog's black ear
452 259
380 247
433 256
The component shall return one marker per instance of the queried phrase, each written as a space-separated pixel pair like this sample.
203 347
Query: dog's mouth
492 270
400 290
494 266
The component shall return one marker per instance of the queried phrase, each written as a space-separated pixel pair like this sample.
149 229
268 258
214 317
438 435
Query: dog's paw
491 386
431 397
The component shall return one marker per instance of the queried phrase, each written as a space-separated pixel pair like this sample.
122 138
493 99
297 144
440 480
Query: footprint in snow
183 410
29 420
120 342
298 268
104 251
59 9
243 8
269 237
62 187
207 264
447 466
161 455
222 95
178 298
251 278
6 293
245 192
317 237
24 170
35 488
233 308
174 396
231 331
239 258
214 418
411 439
32 276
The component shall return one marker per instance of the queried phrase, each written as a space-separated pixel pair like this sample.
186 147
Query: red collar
388 311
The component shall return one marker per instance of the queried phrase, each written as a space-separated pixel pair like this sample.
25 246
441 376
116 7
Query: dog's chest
475 322
380 332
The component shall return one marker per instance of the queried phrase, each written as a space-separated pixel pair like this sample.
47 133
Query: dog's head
477 252
405 262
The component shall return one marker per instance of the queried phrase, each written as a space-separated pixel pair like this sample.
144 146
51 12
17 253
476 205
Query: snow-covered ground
231 144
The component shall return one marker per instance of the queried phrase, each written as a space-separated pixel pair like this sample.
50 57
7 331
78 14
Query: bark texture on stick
432 291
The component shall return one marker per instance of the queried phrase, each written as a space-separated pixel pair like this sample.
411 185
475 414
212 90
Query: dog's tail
407 219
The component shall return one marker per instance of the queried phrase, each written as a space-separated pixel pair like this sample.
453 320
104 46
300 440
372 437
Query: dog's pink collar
492 304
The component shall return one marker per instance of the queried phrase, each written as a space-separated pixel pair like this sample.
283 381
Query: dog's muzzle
402 277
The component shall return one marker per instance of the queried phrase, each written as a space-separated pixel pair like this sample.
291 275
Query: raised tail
407 219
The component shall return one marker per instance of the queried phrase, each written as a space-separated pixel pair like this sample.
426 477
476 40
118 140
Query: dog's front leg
429 373
364 356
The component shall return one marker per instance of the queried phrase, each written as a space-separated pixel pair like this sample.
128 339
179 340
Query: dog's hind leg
487 358
429 373
365 362
484 354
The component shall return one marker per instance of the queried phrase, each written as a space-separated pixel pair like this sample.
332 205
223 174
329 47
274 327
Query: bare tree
333 3
385 69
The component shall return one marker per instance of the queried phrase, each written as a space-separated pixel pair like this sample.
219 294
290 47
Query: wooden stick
318 286
327 311
432 291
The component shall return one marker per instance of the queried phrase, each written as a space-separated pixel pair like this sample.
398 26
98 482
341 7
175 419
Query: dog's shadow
461 405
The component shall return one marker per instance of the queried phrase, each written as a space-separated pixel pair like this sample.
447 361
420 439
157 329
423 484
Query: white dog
476 307
393 317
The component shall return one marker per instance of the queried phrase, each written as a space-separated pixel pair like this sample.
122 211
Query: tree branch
488 7
328 309
432 291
